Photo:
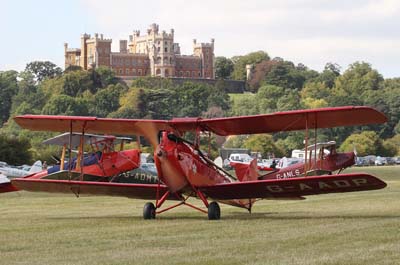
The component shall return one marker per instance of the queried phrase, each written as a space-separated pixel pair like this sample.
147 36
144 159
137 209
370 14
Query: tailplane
36 167
246 172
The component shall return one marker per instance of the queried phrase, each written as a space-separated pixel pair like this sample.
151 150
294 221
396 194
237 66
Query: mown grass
353 228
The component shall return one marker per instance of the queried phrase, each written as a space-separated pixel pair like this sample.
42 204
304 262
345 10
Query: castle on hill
153 54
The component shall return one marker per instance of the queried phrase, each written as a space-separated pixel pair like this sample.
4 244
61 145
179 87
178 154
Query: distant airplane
13 172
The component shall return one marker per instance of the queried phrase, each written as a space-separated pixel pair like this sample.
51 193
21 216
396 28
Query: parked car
380 161
397 160
361 162
390 161
370 160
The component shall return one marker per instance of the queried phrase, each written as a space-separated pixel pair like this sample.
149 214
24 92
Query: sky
303 31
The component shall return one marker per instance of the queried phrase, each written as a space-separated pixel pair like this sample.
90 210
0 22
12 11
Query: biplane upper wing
296 187
53 123
284 121
264 123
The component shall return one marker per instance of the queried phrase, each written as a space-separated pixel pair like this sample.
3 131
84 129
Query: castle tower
83 59
206 52
161 52
249 68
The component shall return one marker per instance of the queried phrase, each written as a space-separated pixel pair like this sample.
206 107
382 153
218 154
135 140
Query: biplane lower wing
137 191
292 188
7 187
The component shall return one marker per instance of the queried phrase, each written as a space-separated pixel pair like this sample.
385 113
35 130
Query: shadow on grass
234 216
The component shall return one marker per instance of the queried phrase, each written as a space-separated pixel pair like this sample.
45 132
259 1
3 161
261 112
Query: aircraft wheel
214 212
149 211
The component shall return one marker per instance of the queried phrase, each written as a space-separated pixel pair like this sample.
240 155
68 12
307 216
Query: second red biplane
184 171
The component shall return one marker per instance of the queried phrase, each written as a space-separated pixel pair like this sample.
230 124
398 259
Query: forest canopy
274 85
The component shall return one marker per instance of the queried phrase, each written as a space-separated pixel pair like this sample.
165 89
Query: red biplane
321 159
184 171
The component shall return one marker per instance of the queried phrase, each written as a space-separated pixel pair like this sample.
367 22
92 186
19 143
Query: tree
314 95
223 67
65 105
329 75
76 82
14 150
235 141
391 147
8 89
259 72
107 100
285 75
240 62
43 69
263 143
366 143
354 83
267 98
103 76
243 104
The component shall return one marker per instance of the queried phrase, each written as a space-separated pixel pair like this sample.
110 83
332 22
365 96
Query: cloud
301 29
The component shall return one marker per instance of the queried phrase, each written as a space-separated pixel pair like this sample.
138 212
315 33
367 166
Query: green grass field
352 228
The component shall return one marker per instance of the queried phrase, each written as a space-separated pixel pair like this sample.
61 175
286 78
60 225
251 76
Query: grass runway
352 228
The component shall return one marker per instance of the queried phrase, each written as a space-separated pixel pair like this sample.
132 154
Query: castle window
199 74
120 71
134 71
158 49
127 71
193 74
165 43
187 74
133 62
181 73
165 49
140 72
127 62
158 72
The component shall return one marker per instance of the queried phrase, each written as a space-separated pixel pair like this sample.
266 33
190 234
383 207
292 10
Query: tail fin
246 172
36 167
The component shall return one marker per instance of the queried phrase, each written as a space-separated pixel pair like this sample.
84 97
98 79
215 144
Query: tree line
275 85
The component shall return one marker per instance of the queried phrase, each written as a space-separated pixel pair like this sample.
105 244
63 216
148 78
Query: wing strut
70 151
306 147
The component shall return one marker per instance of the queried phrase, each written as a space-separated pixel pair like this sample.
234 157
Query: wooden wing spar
264 123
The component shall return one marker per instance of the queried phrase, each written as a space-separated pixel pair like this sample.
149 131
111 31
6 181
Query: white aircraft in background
4 179
13 172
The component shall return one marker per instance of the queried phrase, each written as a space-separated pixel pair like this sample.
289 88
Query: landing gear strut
214 212
149 211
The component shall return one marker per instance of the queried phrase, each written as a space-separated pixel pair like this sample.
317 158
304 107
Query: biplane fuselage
321 166
180 166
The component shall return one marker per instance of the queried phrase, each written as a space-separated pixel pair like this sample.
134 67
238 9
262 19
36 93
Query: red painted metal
196 208
295 187
139 191
169 208
162 200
